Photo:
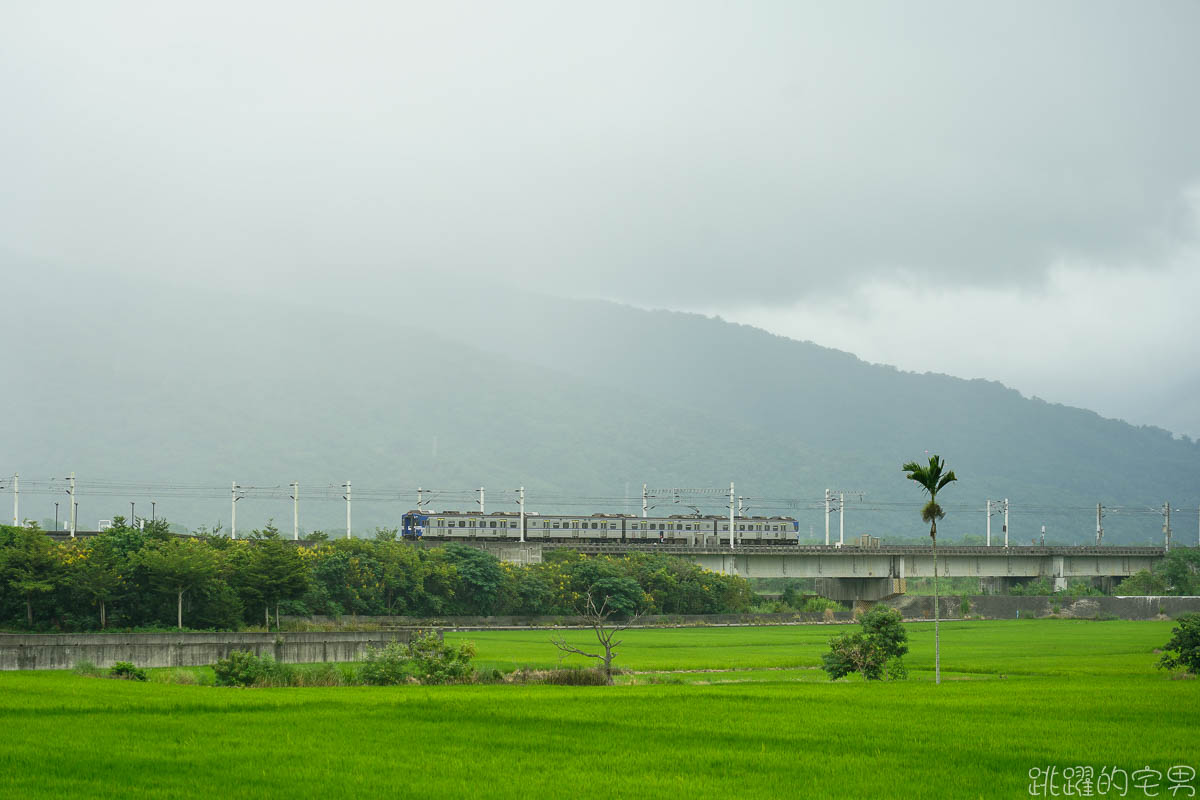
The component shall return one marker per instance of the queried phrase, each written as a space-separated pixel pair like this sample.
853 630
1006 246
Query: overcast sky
1002 190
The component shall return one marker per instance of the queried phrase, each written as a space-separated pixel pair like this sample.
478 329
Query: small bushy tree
875 652
243 668
1183 650
176 566
29 565
385 666
435 661
427 658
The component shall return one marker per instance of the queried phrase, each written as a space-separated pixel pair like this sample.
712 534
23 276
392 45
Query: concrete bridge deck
873 573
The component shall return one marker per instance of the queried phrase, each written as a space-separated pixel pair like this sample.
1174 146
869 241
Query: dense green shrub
243 668
434 661
875 652
124 670
386 666
818 605
1183 650
426 658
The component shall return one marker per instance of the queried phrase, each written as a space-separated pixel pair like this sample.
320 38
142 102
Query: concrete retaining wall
62 651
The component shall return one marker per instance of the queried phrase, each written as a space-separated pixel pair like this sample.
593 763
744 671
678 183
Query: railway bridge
851 573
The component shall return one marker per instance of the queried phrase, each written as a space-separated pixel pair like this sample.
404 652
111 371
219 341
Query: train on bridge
689 529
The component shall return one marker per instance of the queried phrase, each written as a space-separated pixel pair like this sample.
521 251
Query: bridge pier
849 591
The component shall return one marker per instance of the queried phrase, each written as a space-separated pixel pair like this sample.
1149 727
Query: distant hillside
580 401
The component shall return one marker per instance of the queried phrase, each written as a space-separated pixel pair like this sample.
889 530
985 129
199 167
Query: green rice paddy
1016 695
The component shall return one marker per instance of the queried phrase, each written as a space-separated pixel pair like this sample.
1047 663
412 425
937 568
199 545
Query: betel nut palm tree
932 480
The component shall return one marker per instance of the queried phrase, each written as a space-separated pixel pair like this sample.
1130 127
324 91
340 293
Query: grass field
1072 693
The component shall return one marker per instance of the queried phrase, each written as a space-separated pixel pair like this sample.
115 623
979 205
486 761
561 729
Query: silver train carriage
689 529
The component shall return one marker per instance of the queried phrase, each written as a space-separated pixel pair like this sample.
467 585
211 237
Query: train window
512 524
462 523
725 527
556 523
741 527
492 524
687 527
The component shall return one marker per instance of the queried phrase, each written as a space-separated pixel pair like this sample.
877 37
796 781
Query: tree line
133 578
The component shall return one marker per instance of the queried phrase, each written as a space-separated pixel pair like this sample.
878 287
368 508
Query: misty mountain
580 401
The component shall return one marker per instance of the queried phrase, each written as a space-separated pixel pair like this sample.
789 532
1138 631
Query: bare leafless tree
598 619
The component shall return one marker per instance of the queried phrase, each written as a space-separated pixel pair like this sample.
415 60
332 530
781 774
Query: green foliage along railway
132 578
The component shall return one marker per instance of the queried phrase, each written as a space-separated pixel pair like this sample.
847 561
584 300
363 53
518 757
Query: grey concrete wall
62 651
1002 607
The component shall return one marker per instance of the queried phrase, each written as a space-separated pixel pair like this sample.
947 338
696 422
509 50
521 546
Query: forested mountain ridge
574 399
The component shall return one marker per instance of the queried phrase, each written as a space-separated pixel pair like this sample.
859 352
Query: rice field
1016 696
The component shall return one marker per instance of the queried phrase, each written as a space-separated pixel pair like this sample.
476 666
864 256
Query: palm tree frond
921 475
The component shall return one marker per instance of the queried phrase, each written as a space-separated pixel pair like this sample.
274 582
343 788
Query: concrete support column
849 591
1058 579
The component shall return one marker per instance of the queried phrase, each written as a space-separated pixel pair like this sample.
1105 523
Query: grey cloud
676 153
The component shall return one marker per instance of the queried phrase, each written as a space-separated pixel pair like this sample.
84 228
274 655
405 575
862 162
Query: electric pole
837 504
74 506
1099 523
132 518
841 518
235 494
153 510
521 503
346 497
999 504
739 506
480 501
644 508
1006 522
732 529
1166 510
826 517
295 510
16 499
